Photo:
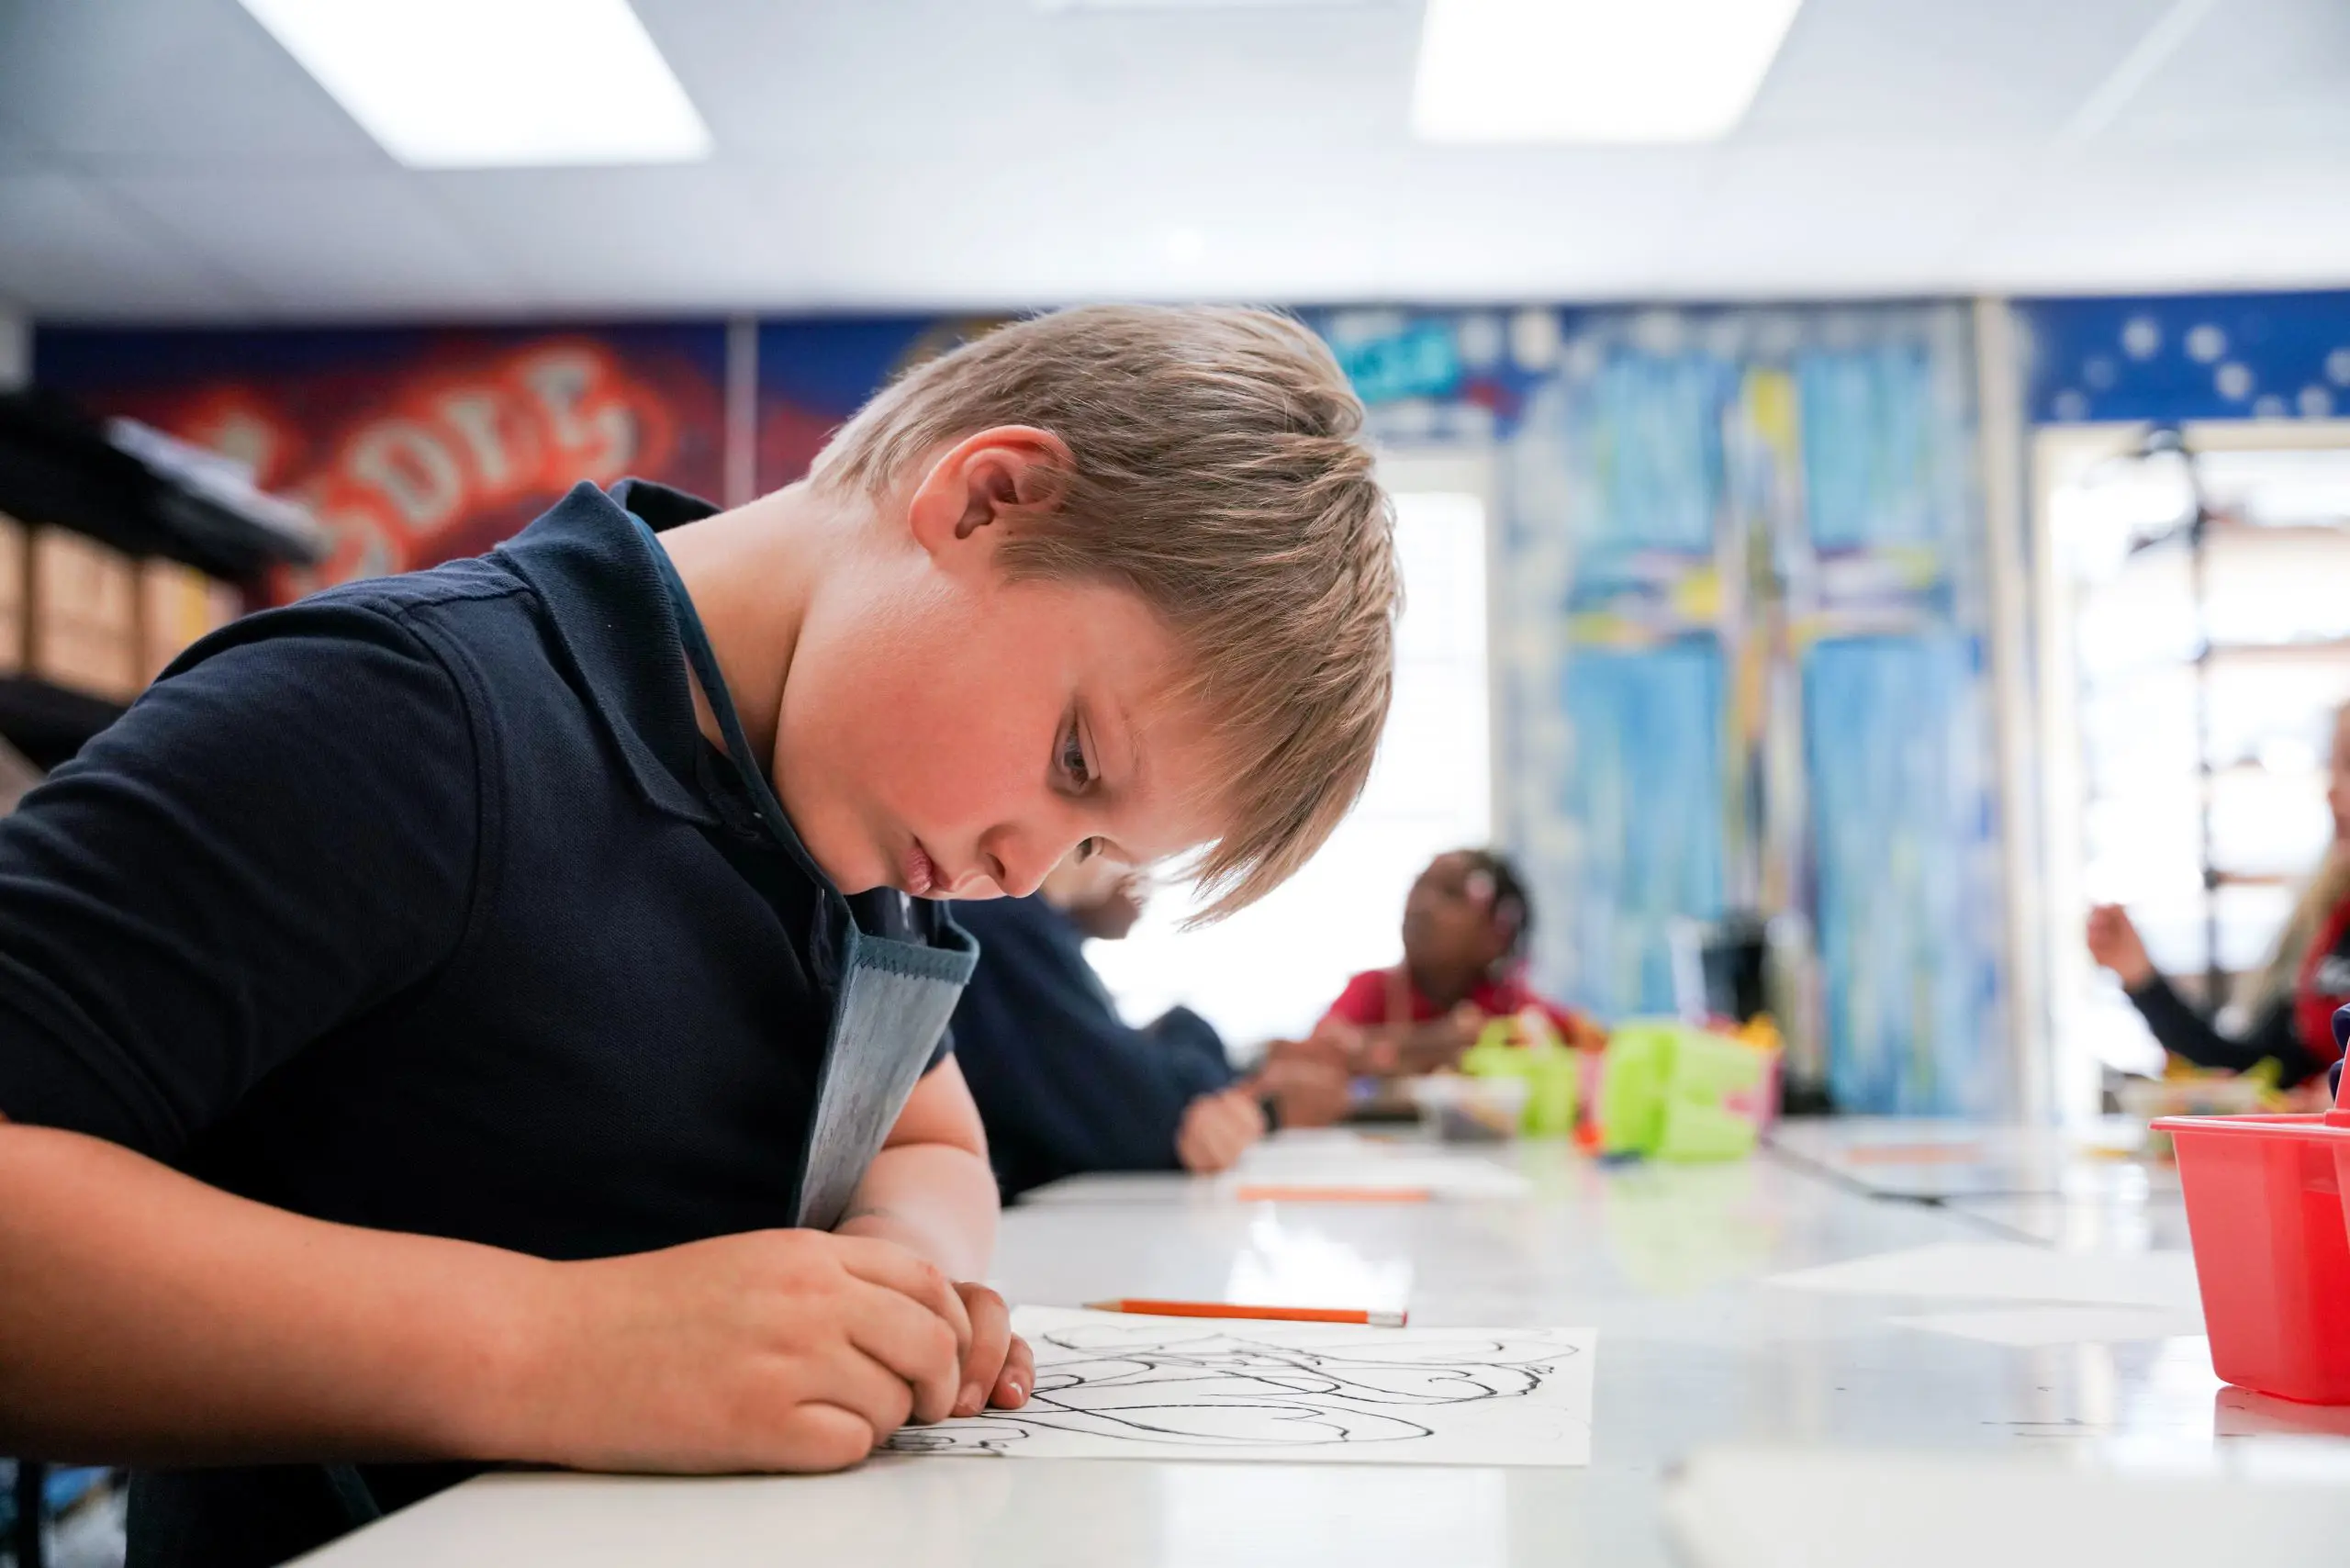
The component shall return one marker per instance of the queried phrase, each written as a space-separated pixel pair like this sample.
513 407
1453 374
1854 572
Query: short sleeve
1363 1002
276 838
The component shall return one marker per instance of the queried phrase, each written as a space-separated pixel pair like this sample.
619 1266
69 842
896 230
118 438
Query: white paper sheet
1113 1386
2028 1326
2006 1272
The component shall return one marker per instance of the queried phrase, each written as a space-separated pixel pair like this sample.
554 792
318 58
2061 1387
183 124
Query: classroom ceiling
167 160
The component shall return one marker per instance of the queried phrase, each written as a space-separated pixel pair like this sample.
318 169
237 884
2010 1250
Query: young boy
480 1015
1064 1085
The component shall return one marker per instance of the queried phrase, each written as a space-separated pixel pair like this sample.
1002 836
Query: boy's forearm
935 1199
146 1317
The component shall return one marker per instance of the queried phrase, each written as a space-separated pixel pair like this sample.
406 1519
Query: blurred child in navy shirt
1064 1085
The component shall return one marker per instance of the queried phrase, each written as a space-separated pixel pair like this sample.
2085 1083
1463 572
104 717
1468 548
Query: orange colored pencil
1291 1194
1225 1309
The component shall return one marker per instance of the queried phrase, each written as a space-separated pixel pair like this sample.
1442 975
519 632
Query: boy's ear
983 481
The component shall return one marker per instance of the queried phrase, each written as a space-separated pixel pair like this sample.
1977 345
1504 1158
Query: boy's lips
920 872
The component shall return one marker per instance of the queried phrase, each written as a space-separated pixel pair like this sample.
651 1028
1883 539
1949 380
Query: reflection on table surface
1670 1264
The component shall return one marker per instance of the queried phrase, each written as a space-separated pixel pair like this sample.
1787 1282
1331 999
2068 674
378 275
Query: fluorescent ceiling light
1618 71
487 83
1184 4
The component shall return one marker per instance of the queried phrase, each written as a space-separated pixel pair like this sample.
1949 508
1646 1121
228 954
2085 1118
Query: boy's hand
1216 1130
999 1369
778 1350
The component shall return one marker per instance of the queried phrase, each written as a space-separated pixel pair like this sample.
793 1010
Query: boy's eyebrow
1137 768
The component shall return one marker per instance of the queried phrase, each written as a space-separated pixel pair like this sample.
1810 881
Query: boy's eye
1073 763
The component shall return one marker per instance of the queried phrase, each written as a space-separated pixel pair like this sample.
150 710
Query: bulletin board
414 446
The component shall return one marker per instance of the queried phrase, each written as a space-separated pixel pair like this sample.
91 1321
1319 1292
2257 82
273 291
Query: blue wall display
2189 357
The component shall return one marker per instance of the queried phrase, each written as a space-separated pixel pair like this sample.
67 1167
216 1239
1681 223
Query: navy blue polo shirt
424 904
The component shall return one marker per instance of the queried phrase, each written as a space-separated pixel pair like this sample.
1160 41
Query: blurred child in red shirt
1465 925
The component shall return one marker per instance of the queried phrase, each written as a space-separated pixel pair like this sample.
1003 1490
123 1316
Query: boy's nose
1020 884
1015 867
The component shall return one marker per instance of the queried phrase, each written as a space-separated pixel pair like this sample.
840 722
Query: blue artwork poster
1644 794
1906 917
1739 571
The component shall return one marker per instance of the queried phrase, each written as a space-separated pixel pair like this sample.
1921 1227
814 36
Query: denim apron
891 998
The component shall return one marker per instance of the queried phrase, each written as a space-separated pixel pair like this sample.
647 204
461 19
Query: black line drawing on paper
1161 1385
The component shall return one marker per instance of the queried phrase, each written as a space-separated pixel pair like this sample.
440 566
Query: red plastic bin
2268 1210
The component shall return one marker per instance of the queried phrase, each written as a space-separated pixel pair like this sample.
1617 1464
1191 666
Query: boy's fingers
856 1383
991 1338
1018 1377
888 1264
911 1343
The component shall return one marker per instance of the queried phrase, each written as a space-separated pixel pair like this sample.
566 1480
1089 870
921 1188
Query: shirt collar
612 618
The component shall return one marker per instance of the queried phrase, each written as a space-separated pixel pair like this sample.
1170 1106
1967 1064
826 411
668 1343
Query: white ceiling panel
373 243
626 240
166 158
1842 219
1589 224
65 249
172 82
2252 73
919 76
18 144
1972 70
2109 219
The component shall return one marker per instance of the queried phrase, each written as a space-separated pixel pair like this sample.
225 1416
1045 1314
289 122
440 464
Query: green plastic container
1670 1091
1548 1069
1634 1077
1709 1073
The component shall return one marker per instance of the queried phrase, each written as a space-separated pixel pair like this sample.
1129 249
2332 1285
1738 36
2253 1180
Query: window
2130 769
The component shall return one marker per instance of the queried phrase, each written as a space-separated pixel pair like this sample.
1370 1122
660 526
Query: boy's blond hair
1219 473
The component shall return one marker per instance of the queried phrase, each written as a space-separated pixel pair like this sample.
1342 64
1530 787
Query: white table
1667 1263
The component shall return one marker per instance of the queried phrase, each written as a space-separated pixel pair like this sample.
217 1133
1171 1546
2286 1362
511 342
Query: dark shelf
59 469
50 723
